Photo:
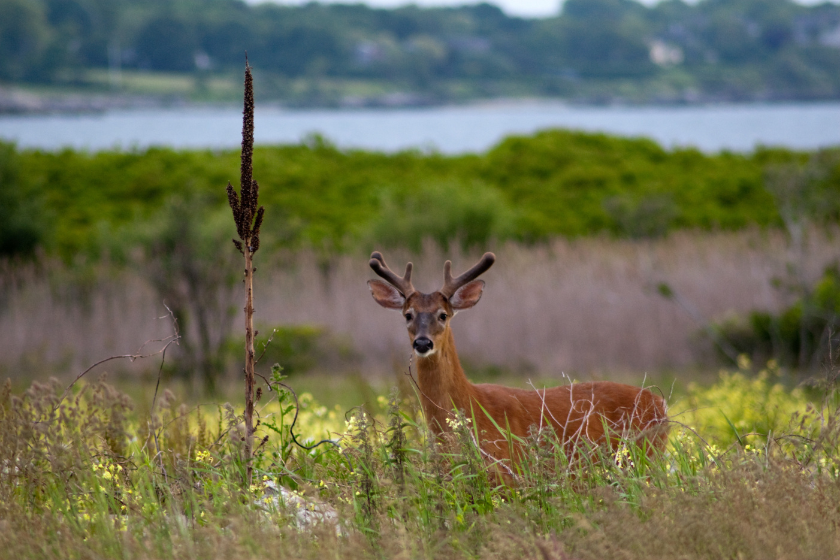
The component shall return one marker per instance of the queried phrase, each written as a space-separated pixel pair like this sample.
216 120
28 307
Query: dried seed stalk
248 220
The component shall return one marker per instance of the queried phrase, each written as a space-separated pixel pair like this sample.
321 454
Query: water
449 130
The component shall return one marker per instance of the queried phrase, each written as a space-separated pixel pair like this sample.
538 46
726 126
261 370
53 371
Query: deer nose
422 345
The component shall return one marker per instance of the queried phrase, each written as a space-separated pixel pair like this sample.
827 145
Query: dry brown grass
583 306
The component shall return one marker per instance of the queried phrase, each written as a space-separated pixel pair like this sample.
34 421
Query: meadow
616 260
137 461
751 471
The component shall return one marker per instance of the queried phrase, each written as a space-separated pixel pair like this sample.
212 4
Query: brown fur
581 414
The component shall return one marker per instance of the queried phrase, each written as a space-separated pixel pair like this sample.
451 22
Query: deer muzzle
423 346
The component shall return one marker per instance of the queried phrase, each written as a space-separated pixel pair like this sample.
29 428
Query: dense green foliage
526 188
721 49
20 223
800 335
744 402
299 348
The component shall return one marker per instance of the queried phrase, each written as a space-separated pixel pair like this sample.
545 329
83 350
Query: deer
585 415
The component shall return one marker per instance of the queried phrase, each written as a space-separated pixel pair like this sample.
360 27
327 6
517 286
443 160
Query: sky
522 8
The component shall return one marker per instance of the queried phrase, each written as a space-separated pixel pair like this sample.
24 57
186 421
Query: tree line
727 49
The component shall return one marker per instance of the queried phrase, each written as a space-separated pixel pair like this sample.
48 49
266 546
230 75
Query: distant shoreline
18 101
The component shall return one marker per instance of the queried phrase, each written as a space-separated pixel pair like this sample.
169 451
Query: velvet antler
451 285
403 284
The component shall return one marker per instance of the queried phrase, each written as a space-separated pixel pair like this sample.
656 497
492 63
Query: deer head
427 316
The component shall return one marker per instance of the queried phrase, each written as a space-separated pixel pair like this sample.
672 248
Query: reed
590 306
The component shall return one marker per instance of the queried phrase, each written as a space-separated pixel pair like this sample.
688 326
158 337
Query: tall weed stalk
248 220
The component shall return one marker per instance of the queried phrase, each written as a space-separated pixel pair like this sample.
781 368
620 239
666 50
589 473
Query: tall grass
86 477
581 307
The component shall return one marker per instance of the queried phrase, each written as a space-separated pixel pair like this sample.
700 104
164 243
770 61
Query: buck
583 415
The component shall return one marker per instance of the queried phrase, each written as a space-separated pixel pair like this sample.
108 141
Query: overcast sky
524 8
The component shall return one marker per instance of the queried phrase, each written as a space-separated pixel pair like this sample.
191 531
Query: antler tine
450 285
377 263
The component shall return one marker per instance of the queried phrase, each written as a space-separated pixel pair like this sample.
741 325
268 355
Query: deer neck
443 385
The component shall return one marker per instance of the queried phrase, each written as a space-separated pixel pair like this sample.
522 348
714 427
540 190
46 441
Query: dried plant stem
248 220
249 360
171 339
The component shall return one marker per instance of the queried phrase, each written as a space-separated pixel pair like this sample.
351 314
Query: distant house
665 54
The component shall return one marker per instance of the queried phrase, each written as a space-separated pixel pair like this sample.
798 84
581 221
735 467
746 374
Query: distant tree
600 11
740 49
299 50
166 43
24 36
605 52
226 41
71 16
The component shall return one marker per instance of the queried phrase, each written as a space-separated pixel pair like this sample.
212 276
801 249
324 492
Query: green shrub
742 403
472 213
798 335
297 348
530 189
22 223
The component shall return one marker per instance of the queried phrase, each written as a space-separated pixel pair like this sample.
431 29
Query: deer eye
409 316
442 317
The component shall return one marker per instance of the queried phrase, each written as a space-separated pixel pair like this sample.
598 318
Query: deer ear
467 295
386 295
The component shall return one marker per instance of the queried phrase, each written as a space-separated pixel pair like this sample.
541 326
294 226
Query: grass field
751 471
119 467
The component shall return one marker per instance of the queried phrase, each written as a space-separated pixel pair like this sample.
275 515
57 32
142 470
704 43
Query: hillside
594 51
